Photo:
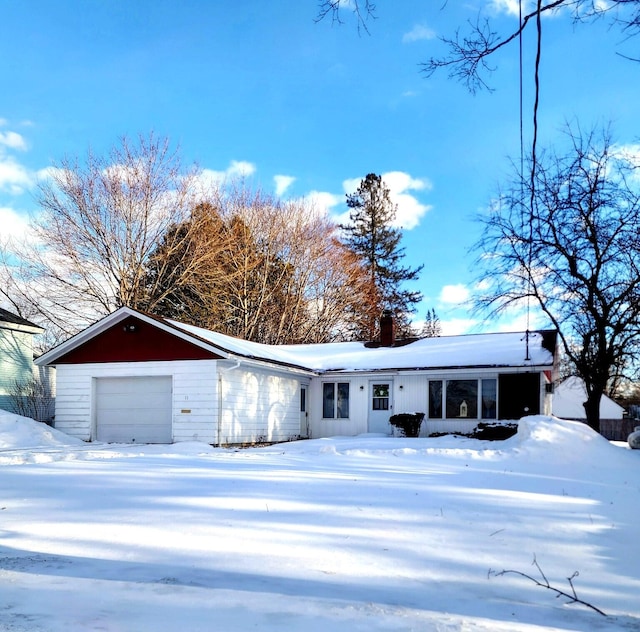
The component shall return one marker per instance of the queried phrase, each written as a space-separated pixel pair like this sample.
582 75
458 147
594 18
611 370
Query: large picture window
335 400
462 399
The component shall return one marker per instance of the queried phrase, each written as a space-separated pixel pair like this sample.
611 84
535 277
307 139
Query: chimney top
387 329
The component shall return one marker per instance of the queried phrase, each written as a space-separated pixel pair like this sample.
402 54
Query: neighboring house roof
12 321
569 395
468 351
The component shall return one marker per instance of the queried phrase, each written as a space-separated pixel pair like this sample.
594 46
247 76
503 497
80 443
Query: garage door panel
134 409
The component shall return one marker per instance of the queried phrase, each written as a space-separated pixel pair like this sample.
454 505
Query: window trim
335 399
443 381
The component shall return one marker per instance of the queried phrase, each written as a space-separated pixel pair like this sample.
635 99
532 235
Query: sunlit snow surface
343 534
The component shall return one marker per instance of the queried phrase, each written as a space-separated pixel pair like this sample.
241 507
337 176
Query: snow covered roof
569 395
472 350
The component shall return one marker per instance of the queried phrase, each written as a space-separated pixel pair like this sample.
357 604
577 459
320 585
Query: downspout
220 372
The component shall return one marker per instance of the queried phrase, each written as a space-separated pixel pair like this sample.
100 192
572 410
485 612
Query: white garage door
134 409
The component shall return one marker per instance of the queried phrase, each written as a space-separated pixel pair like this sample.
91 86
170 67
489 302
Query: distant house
567 403
16 355
136 377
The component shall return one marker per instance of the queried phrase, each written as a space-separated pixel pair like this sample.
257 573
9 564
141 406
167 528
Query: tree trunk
592 409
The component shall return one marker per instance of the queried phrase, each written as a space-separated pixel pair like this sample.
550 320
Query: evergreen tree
432 327
372 238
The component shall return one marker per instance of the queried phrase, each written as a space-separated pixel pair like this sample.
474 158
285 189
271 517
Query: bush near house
32 398
409 423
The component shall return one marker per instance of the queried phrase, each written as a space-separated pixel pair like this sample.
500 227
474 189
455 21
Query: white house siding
194 407
16 362
410 395
258 405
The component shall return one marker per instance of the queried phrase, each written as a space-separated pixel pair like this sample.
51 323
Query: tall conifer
371 236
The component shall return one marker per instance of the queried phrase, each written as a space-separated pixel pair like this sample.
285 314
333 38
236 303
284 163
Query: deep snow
343 534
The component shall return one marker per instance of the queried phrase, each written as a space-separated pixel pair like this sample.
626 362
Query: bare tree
362 10
471 48
574 252
279 274
100 221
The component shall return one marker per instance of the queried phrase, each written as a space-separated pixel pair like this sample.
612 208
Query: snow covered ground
344 534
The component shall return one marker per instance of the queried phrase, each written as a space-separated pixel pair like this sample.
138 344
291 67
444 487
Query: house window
462 399
335 400
435 399
489 399
380 399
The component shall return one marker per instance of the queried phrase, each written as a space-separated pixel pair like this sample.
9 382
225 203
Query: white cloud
13 140
13 223
410 210
14 177
283 183
510 7
323 201
454 294
458 326
240 168
419 32
237 169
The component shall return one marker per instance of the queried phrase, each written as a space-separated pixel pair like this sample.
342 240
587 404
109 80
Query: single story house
16 356
134 377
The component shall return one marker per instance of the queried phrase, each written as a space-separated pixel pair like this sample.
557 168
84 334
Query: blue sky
303 108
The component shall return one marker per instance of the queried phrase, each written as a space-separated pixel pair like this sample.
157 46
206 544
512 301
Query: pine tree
373 239
432 327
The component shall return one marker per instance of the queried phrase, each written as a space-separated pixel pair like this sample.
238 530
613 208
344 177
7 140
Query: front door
304 412
380 406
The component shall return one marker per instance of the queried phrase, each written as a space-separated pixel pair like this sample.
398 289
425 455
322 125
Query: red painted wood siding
133 340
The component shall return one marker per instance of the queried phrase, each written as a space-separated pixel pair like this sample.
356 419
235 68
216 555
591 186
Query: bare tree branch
573 597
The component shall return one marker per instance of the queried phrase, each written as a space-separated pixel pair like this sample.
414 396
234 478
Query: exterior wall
410 395
258 405
16 362
195 396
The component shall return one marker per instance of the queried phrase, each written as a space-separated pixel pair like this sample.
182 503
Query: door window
380 398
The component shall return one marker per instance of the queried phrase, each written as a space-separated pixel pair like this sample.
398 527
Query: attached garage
134 409
136 378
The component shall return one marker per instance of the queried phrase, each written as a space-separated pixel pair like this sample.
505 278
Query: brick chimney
387 329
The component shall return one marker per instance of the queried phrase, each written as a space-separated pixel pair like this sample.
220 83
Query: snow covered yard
344 534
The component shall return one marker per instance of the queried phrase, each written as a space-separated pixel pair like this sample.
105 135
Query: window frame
439 387
340 396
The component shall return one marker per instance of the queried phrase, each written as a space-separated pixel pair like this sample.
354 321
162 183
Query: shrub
409 423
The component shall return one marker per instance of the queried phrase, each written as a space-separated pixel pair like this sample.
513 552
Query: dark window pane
462 399
489 399
328 400
343 400
435 399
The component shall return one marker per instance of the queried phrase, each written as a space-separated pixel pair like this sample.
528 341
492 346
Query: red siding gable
133 340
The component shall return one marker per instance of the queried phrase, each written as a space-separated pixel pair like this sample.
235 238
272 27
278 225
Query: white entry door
304 412
380 406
